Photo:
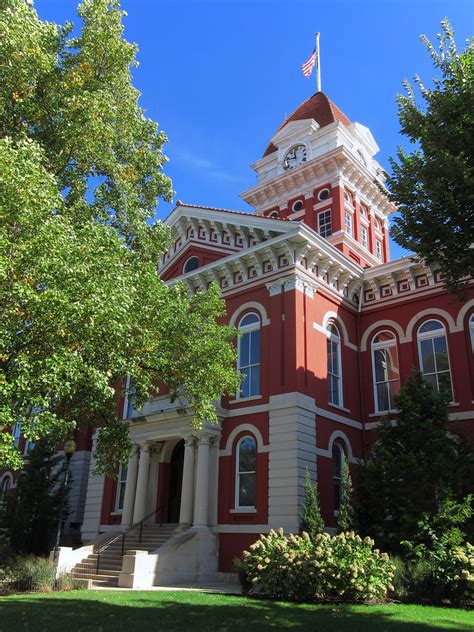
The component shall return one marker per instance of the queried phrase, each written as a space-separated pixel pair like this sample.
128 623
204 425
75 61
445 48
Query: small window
248 362
325 224
324 194
273 214
378 224
297 206
191 264
334 366
348 197
434 357
128 405
245 473
348 222
364 239
386 374
363 211
121 484
338 457
378 249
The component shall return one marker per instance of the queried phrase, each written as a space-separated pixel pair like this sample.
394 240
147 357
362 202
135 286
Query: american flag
308 66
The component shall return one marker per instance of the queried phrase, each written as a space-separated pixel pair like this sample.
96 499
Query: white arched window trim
338 454
390 383
471 330
186 263
239 473
249 364
433 335
335 389
6 483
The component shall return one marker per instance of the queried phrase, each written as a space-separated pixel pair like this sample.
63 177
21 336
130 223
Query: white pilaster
142 483
187 493
201 506
130 488
292 421
93 504
213 481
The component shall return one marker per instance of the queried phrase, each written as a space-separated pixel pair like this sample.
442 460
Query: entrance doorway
176 482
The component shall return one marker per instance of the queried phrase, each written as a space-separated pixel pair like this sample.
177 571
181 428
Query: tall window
364 240
121 483
5 487
348 222
378 249
16 434
434 358
245 474
385 369
334 366
325 224
249 355
471 331
337 460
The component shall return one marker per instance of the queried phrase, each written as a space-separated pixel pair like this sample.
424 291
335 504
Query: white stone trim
261 447
339 418
340 323
382 323
243 528
462 313
294 282
430 312
251 305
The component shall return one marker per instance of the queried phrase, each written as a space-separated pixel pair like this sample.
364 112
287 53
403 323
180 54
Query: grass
101 611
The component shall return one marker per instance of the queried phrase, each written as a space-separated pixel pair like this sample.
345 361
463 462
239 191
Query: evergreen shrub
343 567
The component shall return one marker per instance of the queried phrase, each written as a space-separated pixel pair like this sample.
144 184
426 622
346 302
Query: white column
187 490
142 484
213 481
130 487
201 501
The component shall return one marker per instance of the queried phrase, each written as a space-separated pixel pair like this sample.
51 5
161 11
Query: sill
118 512
453 404
245 399
384 412
243 510
346 410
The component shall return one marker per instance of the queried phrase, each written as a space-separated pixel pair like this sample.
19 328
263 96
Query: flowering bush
343 567
463 573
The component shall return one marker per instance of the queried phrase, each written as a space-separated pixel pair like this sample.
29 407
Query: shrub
344 567
311 520
32 573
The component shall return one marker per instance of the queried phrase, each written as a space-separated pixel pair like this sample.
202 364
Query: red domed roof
318 107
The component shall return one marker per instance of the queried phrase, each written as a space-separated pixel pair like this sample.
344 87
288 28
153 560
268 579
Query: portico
157 466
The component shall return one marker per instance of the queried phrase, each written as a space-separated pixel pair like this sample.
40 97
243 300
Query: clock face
294 157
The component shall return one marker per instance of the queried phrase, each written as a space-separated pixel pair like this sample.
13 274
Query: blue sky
219 76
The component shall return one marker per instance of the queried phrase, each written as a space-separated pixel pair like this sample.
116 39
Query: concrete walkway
228 588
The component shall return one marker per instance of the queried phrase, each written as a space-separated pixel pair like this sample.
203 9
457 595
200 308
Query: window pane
382 396
337 494
247 490
255 380
427 356
441 352
336 460
250 319
245 384
431 325
431 379
244 350
333 382
394 388
255 347
444 383
380 365
247 455
121 496
392 363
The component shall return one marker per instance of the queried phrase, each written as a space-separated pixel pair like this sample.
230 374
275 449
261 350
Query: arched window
5 487
338 456
245 473
385 371
433 352
471 331
16 434
191 264
334 366
248 362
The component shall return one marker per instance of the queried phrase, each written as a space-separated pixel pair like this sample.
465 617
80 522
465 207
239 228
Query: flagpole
318 59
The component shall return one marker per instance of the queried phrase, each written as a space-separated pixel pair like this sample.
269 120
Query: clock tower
319 168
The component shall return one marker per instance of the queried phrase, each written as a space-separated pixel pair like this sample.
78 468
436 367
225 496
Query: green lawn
101 611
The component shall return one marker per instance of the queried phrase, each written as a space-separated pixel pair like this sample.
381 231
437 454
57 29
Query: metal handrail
124 534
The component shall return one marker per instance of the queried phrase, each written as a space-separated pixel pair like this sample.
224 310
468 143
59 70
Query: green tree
310 518
433 185
345 518
415 466
81 303
31 515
